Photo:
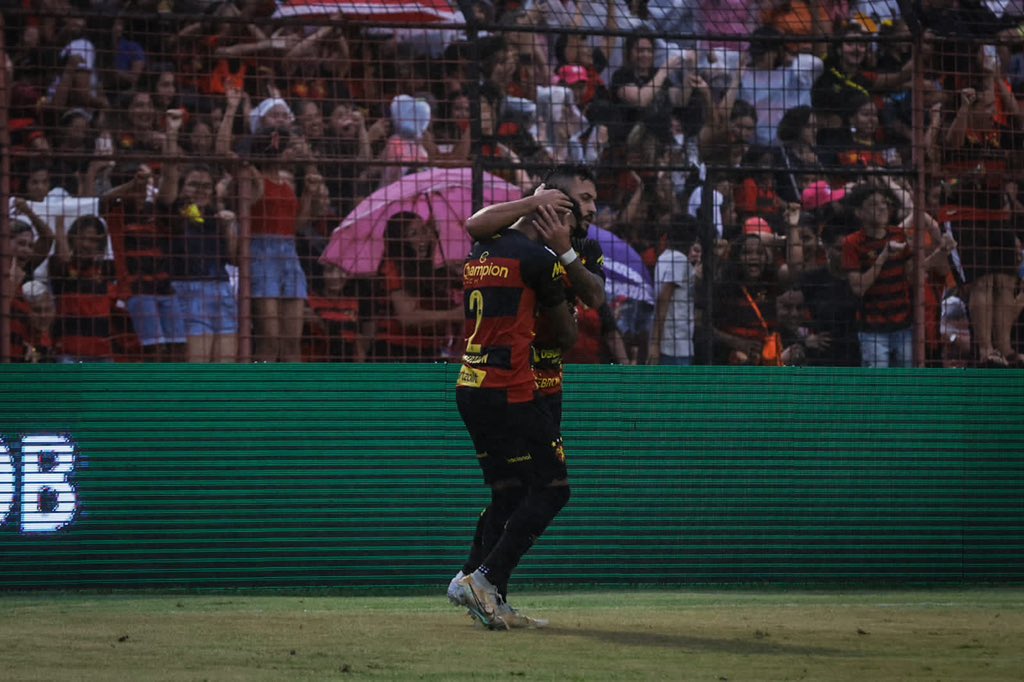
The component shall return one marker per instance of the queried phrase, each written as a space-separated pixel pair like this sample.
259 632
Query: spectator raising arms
278 281
83 283
203 241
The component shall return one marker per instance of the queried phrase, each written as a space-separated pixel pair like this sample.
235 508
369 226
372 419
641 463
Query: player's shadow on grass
755 645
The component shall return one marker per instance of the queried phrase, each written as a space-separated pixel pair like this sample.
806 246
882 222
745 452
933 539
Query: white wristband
568 257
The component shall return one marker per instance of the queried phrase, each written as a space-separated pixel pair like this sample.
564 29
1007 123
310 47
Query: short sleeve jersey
885 307
505 279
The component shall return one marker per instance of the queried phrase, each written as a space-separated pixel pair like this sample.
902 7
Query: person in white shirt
675 279
776 81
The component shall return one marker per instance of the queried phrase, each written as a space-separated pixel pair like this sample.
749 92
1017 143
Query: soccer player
568 195
508 279
569 189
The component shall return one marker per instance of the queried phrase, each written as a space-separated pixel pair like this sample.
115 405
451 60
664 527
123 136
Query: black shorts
517 441
552 404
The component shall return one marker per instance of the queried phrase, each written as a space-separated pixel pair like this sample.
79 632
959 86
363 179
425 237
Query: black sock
476 553
524 526
491 524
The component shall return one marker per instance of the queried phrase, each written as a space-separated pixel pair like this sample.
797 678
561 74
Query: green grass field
972 634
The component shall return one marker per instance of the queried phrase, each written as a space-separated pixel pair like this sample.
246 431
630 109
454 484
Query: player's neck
525 225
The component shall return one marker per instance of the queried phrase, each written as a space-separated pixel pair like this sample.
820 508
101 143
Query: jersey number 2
476 305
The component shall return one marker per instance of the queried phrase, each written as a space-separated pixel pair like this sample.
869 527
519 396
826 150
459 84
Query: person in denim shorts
203 242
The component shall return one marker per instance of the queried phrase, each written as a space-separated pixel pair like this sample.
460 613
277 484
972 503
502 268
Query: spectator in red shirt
876 259
83 283
422 311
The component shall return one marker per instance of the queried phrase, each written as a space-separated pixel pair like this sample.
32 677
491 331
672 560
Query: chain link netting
782 183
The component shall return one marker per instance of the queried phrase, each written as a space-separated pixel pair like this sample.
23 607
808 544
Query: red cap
758 226
571 74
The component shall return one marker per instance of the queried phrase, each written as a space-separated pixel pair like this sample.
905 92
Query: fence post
920 158
6 286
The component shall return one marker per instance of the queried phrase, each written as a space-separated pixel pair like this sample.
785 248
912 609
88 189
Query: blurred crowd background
781 182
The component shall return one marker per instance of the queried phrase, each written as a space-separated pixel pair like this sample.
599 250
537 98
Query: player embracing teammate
520 318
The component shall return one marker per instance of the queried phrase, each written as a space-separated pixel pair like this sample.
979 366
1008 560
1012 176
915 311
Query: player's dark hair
566 172
560 177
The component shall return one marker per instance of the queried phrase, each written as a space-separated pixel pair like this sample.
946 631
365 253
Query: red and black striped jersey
84 306
505 279
885 307
140 255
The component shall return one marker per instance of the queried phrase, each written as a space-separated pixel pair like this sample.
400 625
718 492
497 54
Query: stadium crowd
770 189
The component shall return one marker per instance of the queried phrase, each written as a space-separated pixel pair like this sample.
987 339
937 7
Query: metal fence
784 184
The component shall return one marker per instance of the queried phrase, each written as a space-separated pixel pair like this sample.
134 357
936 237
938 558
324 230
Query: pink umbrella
442 194
402 11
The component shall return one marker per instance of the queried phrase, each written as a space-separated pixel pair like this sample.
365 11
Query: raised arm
222 145
643 95
167 192
44 235
490 220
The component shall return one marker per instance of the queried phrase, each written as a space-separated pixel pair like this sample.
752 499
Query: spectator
676 274
876 259
83 285
341 328
423 316
795 18
142 265
776 81
310 124
572 50
278 281
755 193
743 319
165 91
857 145
31 242
640 88
451 128
318 66
122 60
559 119
203 241
796 156
76 145
513 119
349 143
78 83
272 112
847 75
800 345
831 302
37 340
986 124
199 140
729 133
141 130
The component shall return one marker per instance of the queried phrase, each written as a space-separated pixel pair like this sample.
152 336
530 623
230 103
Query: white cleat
481 598
512 619
454 592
